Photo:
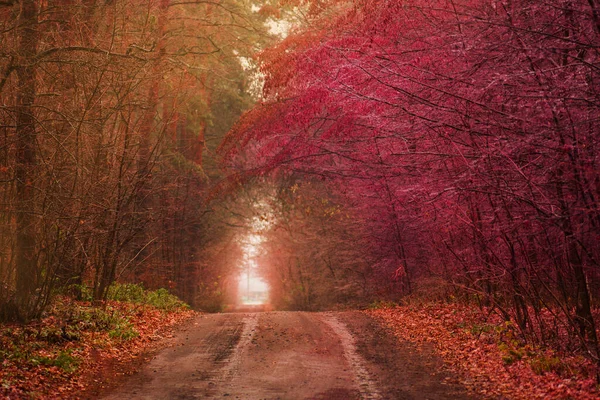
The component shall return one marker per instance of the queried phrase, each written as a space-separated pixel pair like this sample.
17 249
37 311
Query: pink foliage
465 133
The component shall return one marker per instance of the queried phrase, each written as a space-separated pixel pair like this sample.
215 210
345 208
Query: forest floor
411 352
77 349
487 355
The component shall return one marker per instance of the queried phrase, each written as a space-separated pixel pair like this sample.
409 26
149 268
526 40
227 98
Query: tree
104 112
26 150
461 128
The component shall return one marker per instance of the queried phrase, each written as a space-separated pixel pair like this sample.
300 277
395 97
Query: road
289 355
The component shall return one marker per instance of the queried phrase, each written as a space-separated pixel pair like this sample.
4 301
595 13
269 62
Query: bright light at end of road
253 290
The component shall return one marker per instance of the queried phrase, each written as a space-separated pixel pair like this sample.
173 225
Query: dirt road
289 355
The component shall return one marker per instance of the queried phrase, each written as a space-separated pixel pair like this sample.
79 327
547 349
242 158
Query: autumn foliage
78 349
486 354
108 113
463 135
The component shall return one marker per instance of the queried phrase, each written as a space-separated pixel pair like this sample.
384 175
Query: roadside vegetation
489 355
78 346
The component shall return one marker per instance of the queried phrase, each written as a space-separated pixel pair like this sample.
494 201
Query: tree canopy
462 134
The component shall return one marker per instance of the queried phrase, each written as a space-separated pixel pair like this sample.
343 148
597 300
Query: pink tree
464 132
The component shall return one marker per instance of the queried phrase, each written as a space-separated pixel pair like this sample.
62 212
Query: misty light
252 289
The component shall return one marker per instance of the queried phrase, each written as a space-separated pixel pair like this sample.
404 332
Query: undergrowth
135 293
490 353
51 355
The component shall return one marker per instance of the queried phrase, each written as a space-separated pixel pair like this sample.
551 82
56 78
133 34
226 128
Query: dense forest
110 115
376 150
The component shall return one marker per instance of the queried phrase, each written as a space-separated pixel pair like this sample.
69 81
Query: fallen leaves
78 347
488 362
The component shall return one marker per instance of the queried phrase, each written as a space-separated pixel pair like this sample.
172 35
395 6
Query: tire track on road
367 386
232 363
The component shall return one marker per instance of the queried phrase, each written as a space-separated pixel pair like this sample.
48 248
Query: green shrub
543 364
82 292
511 352
135 293
130 292
5 384
210 304
382 304
93 318
76 291
64 360
123 330
164 300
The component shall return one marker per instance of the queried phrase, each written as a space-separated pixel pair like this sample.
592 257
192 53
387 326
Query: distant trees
310 255
465 135
105 108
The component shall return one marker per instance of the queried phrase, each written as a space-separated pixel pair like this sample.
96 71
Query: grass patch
135 293
63 360
123 330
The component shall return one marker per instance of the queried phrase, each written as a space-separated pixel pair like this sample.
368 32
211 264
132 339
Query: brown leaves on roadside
78 346
490 361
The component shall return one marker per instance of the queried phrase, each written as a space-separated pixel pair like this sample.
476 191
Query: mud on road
289 355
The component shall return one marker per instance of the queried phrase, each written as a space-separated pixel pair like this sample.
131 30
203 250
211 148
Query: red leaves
483 116
474 347
63 358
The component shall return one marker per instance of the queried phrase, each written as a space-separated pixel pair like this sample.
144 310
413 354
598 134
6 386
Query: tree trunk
144 197
26 263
